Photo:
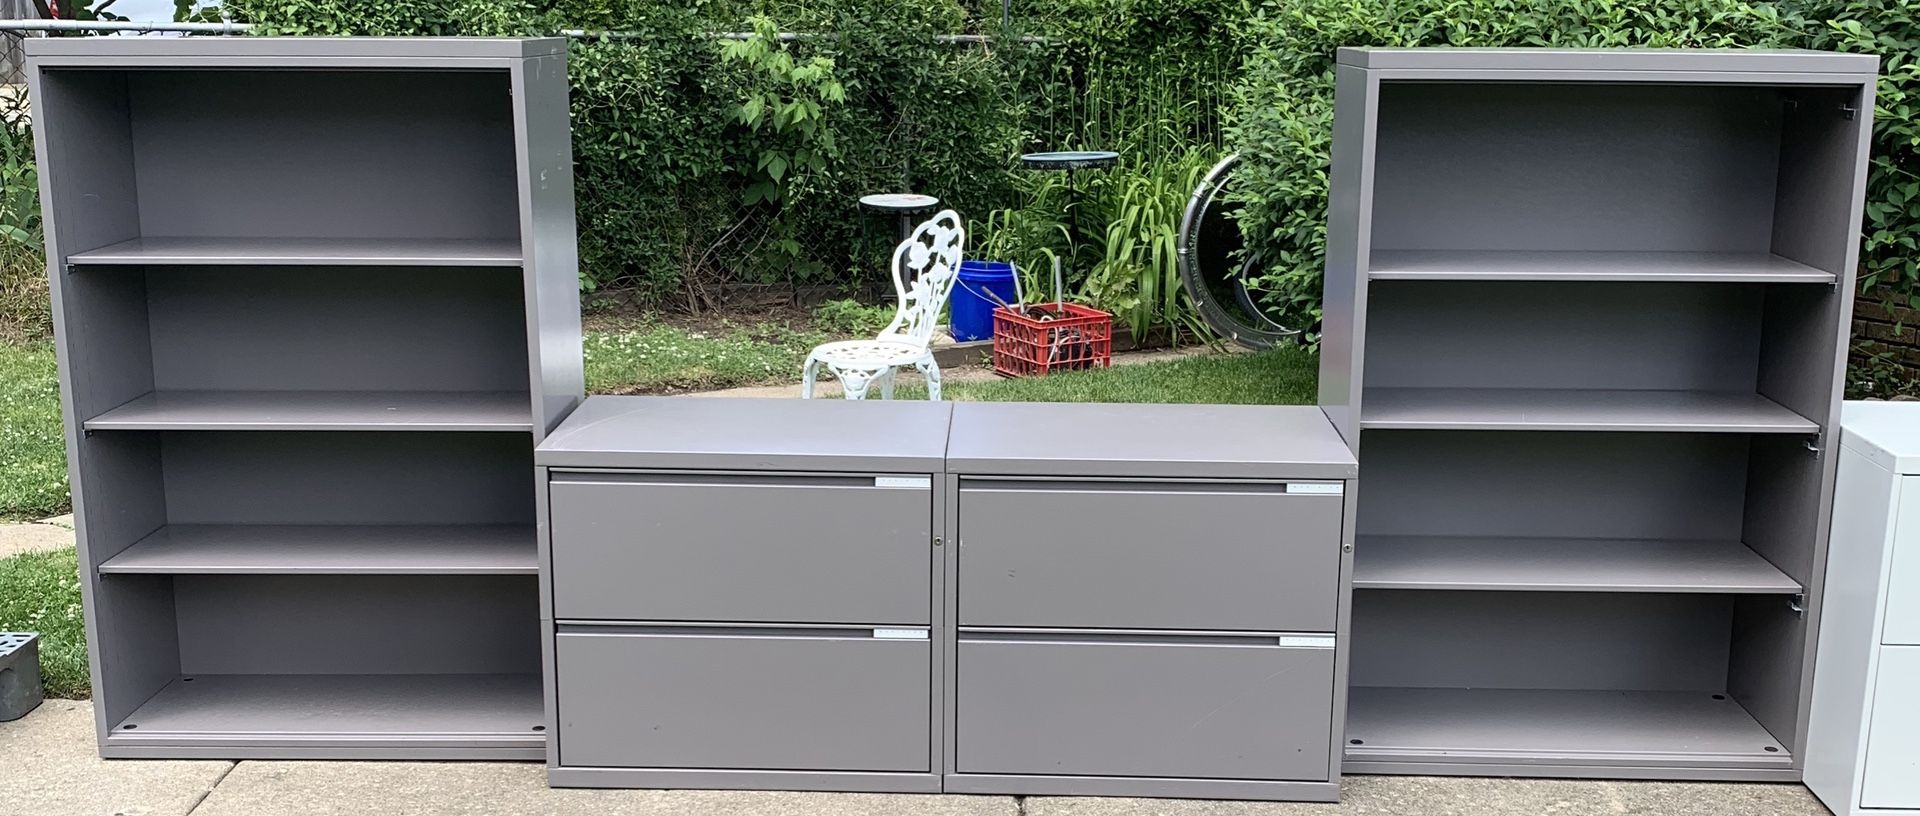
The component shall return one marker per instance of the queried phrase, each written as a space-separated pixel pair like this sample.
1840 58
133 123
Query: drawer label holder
900 634
908 482
1320 488
1307 641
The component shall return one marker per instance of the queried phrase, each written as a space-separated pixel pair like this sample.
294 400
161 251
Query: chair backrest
924 268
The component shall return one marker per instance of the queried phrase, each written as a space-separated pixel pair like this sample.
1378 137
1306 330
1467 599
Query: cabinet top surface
751 434
398 49
1886 432
1146 441
1611 59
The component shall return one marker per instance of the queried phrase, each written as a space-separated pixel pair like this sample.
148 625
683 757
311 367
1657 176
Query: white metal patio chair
924 267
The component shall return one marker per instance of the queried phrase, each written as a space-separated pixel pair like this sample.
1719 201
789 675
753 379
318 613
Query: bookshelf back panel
271 477
1541 640
357 624
1494 334
1553 485
1463 166
310 153
335 328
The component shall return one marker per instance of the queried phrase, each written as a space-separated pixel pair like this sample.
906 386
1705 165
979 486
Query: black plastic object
20 690
1069 159
1215 276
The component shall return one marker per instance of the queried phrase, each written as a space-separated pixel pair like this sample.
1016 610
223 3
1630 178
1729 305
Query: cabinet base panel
532 752
722 779
1353 767
1022 785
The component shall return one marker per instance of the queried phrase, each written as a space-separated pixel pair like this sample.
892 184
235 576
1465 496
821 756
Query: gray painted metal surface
1149 556
742 594
752 549
1183 441
1146 614
752 434
695 640
20 688
1092 704
1565 565
309 240
1642 260
747 698
398 51
1473 60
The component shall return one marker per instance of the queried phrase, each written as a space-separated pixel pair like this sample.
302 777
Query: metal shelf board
1564 565
179 549
1531 265
1543 727
304 252
1527 409
342 710
320 411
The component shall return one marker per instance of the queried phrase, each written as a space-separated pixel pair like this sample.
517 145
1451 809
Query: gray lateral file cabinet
742 593
1146 600
1863 744
1585 326
315 302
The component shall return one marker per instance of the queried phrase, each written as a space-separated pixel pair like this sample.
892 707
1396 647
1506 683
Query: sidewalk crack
210 788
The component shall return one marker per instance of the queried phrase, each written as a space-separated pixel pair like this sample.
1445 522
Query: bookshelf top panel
1849 67
403 52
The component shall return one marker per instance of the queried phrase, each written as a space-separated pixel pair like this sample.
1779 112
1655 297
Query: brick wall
1886 343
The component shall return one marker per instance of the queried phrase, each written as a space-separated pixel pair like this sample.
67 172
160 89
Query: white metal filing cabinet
1147 600
741 593
1863 753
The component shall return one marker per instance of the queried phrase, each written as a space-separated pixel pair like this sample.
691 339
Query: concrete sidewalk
36 536
51 769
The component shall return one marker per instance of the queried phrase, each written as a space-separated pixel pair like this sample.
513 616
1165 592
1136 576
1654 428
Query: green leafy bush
1888 252
1282 116
24 310
1282 113
851 318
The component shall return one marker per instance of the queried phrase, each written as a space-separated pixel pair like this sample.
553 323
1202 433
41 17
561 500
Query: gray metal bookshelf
1585 327
315 304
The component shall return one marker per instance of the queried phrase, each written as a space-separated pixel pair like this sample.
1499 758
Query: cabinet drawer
1148 556
758 549
1218 707
1902 626
798 699
1892 775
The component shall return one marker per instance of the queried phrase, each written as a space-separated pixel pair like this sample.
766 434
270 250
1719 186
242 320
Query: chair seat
869 352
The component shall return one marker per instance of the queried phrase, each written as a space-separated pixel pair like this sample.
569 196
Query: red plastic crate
1076 337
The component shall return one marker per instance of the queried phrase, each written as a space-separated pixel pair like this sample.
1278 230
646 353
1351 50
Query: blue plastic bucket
972 316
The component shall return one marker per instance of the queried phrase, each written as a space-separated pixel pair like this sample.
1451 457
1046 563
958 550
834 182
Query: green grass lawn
662 359
40 592
33 454
1281 376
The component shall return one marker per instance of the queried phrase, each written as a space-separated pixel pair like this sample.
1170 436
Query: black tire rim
1215 279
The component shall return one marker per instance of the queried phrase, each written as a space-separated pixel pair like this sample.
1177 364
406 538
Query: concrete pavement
48 767
36 536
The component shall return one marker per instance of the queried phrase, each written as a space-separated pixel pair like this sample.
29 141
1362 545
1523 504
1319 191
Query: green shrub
1892 222
851 318
1282 116
1282 112
24 310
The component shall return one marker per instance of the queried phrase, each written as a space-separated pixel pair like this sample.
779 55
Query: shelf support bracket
1798 603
